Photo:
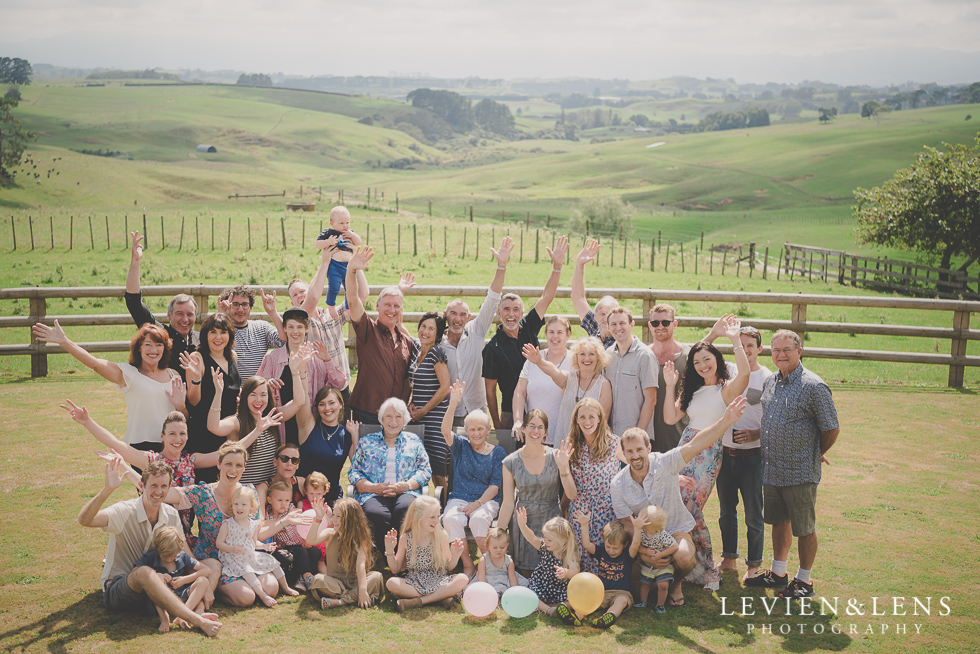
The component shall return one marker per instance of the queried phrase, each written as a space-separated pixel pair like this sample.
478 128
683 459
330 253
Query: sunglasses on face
661 323
289 459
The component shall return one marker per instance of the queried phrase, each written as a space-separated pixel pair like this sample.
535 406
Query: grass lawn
897 518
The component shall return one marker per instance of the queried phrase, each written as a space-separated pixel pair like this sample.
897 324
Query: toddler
237 542
496 567
559 563
343 251
615 566
291 550
656 537
188 578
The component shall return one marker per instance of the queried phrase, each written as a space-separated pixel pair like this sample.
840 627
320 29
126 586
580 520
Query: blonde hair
496 532
316 480
280 485
338 212
245 490
603 440
601 356
614 533
353 533
656 516
561 530
423 507
168 541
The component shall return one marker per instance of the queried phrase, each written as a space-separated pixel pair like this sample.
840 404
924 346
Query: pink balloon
480 599
302 530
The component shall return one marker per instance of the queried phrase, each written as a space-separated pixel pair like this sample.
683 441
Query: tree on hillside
868 108
15 71
494 117
256 79
451 107
605 216
932 206
13 140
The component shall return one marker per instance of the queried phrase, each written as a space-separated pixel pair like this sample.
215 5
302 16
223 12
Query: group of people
245 428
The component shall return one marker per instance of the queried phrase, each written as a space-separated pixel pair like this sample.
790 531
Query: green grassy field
877 503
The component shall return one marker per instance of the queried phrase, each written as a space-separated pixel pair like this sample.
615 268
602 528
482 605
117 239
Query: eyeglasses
289 459
661 323
240 305
783 350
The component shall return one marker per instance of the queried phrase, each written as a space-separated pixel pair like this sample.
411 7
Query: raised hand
137 247
78 413
48 334
178 392
670 374
391 542
563 455
271 419
531 353
735 409
502 254
322 351
406 281
115 471
733 327
456 392
219 381
317 504
354 429
558 254
639 522
296 517
582 517
224 306
588 253
360 259
457 547
521 514
268 301
193 365
718 329
276 384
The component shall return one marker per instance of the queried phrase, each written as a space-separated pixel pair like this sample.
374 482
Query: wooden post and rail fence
958 333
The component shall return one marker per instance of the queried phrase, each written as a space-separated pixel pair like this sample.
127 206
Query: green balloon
519 601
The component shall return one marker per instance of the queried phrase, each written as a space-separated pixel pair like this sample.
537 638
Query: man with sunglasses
662 326
741 465
799 425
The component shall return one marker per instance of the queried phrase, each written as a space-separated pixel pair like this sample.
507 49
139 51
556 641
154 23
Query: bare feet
210 627
333 312
729 565
268 600
406 604
164 626
292 592
209 616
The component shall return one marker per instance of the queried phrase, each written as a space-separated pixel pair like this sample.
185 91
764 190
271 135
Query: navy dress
325 451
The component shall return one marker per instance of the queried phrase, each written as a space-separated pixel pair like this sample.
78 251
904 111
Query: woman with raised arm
325 444
152 390
217 352
428 370
706 391
534 478
585 379
535 389
476 494
257 400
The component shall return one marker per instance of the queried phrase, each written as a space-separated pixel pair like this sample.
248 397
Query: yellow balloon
585 592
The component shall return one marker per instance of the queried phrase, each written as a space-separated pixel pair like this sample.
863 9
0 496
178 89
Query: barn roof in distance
206 148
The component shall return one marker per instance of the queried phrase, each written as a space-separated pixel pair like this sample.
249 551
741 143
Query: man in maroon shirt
384 346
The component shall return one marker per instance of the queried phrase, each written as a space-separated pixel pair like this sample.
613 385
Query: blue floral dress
592 479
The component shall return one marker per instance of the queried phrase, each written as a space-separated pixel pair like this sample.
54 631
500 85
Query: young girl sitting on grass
347 576
656 537
559 563
237 542
188 578
425 552
615 566
496 567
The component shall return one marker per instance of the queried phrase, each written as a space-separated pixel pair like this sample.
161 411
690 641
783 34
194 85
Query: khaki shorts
796 505
610 596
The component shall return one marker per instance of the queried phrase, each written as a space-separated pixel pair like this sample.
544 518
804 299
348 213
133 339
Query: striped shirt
425 384
251 343
261 460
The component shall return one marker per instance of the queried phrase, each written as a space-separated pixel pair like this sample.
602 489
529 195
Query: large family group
609 450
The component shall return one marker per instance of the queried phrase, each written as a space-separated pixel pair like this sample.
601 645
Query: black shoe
767 579
567 616
604 621
796 590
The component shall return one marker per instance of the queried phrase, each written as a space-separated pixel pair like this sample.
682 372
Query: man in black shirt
502 357
181 312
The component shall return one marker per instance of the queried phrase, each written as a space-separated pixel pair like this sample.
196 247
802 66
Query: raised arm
709 435
533 354
56 334
672 405
637 525
587 254
529 535
298 362
217 425
737 386
455 397
193 365
551 286
563 456
129 454
583 520
136 254
358 262
502 255
518 405
92 514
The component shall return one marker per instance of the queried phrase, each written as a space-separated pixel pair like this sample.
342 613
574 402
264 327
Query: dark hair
440 323
692 381
155 468
245 421
321 395
218 321
241 289
753 333
157 334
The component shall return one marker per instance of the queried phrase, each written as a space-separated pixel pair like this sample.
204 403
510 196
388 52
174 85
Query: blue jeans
336 273
741 474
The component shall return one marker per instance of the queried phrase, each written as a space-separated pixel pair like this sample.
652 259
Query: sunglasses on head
661 323
289 459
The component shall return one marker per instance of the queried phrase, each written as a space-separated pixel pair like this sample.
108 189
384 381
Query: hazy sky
752 40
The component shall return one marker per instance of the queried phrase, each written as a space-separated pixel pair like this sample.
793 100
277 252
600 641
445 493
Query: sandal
330 603
675 602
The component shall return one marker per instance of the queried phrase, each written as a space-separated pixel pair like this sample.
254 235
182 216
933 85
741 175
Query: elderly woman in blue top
388 470
478 466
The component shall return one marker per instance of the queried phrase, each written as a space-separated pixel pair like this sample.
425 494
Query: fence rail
958 334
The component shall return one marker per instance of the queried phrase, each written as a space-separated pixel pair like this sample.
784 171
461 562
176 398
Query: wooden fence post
537 244
399 238
711 260
765 263
163 235
249 231
384 238
282 224
961 320
645 334
39 361
415 241
266 232
30 222
146 234
751 259
71 230
724 253
203 306
476 255
228 244
462 254
738 262
180 245
682 256
667 255
653 252
799 316
107 246
779 266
